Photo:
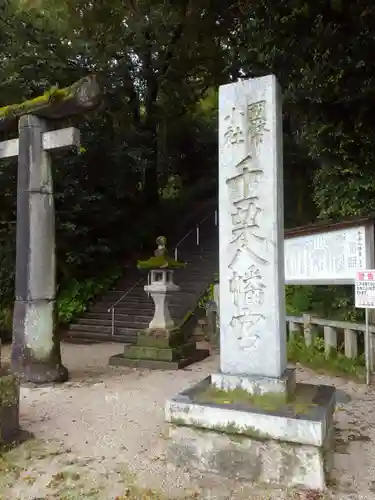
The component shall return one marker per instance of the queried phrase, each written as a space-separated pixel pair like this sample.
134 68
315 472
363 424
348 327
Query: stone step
108 322
124 331
200 270
194 250
143 296
187 282
196 259
105 305
120 317
136 309
141 293
187 287
193 285
95 337
122 308
199 275
131 313
143 305
109 301
145 301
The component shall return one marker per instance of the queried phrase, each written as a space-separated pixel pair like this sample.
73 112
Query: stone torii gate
36 355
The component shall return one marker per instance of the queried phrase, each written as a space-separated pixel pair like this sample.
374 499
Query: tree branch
176 36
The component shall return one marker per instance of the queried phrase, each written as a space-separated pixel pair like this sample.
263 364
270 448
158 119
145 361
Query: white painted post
36 350
113 321
307 329
351 345
330 339
198 235
368 349
294 329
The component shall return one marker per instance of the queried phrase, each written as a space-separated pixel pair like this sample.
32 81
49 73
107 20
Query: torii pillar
36 355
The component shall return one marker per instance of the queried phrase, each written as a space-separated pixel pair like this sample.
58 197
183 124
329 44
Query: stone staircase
135 310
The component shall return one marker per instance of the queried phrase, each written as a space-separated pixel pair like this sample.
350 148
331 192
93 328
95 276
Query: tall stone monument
36 349
284 430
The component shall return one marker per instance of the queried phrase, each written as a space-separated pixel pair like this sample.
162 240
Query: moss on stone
231 429
9 389
248 431
274 402
177 421
55 103
159 338
185 319
160 262
52 95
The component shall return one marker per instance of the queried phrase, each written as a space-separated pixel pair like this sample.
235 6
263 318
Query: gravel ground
103 435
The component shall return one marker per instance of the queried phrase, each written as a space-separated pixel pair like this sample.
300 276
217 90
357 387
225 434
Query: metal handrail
191 232
112 308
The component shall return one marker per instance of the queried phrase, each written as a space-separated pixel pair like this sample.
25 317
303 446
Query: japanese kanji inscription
251 231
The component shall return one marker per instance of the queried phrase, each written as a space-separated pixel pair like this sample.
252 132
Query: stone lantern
160 287
163 345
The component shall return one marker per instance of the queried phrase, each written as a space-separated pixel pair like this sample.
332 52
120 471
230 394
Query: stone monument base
9 407
160 350
258 437
257 385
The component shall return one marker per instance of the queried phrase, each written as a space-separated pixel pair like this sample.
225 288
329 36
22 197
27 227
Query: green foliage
209 293
156 135
207 296
328 94
314 356
331 302
76 296
151 121
172 189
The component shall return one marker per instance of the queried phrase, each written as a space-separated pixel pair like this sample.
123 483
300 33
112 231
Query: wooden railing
336 334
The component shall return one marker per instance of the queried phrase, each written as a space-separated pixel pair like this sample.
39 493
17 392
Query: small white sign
365 289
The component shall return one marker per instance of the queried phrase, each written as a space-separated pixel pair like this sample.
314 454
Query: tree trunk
151 183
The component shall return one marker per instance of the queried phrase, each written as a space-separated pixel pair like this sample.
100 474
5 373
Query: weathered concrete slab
308 425
290 445
247 459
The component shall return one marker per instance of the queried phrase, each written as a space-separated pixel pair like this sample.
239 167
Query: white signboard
332 257
365 289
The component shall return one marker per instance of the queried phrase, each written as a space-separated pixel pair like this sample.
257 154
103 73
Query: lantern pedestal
162 345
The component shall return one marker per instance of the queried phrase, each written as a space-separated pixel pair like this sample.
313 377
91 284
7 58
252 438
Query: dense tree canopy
160 64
